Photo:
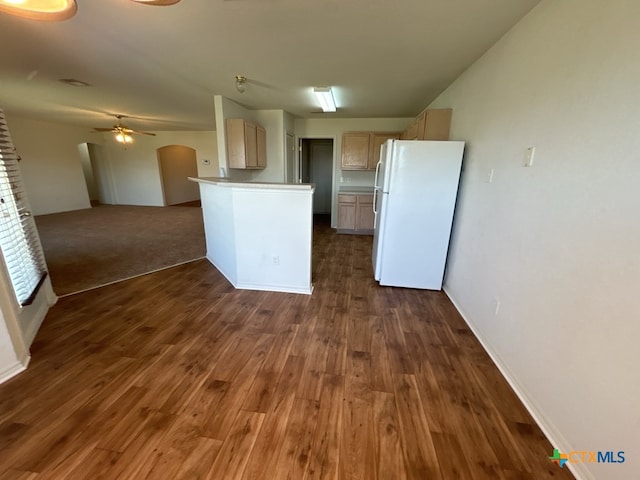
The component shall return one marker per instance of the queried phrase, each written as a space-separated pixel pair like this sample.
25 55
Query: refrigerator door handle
375 179
376 188
375 196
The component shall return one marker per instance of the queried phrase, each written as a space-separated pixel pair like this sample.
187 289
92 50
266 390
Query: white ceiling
162 65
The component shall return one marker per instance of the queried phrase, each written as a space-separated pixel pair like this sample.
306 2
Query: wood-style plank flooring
176 375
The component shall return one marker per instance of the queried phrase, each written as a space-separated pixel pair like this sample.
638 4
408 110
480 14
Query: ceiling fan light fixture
241 81
43 10
161 3
325 98
123 137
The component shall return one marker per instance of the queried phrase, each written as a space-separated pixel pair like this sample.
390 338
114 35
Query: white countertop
227 182
356 190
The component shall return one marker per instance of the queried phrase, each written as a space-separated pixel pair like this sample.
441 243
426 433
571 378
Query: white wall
334 128
51 164
10 363
87 170
557 243
102 174
273 122
19 325
135 168
260 237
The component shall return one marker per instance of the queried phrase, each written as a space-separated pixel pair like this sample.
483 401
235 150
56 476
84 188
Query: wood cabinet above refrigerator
431 124
361 150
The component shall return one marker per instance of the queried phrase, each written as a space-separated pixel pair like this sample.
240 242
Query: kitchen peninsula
259 235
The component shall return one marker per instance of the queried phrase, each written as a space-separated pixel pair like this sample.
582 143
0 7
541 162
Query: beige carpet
107 243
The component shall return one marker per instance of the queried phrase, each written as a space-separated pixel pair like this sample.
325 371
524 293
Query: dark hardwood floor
176 375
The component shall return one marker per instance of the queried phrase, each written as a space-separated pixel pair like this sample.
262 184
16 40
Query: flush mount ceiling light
74 82
325 97
241 80
157 2
45 10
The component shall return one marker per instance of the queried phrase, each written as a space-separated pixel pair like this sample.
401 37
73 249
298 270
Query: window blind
19 239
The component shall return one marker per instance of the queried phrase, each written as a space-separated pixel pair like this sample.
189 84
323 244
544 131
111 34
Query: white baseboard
13 370
224 274
36 320
549 430
262 287
276 288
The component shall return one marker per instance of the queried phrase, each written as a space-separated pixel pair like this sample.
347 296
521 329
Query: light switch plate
528 156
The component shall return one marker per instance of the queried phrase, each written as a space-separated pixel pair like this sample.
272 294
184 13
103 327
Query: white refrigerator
416 185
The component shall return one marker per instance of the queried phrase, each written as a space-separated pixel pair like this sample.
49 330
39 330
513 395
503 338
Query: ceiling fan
122 133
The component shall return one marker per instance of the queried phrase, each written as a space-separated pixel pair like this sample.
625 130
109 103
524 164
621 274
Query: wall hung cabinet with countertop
355 213
246 144
361 150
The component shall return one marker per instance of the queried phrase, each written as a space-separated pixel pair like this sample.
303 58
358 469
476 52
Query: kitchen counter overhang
259 235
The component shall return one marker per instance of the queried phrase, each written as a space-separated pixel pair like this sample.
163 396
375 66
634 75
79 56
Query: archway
177 163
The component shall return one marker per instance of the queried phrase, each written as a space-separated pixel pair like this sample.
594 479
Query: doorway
177 163
316 166
290 159
97 176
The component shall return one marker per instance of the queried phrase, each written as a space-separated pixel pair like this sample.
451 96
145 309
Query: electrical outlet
276 260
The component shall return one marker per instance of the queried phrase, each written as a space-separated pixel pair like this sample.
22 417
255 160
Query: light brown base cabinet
246 144
355 213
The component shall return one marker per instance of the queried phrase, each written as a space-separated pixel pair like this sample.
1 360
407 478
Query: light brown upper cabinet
361 150
411 132
246 144
437 122
376 141
355 151
431 124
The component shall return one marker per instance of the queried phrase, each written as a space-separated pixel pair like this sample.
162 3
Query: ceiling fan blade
142 133
103 129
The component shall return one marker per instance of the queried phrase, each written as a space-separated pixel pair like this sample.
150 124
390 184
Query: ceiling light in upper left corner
45 10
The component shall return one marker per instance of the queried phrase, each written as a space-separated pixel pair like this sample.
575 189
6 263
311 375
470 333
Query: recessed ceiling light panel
325 98
44 10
